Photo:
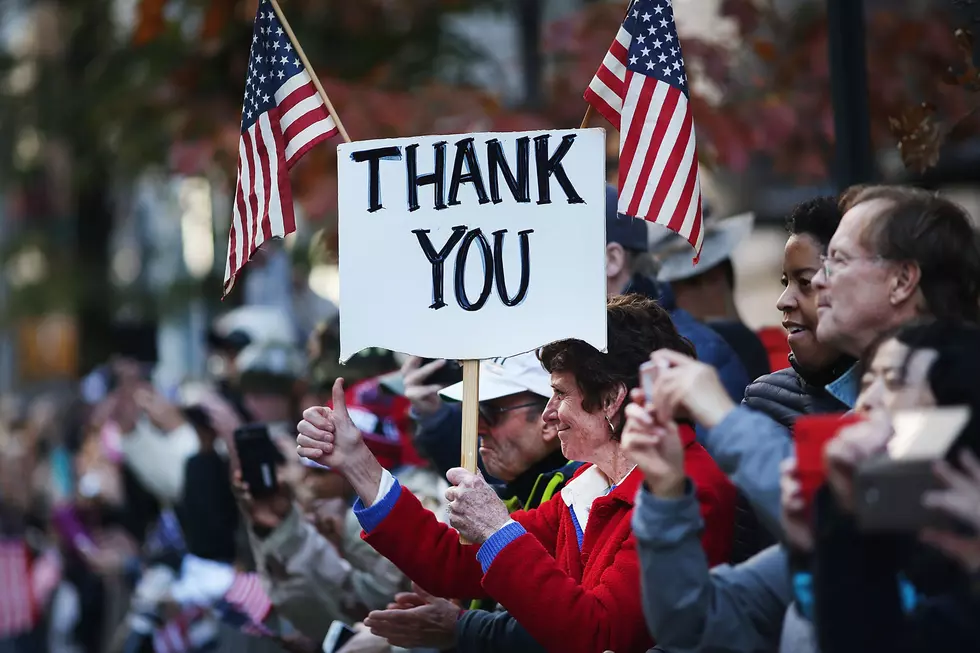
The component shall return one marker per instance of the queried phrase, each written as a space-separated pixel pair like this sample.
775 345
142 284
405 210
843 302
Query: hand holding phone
258 458
649 372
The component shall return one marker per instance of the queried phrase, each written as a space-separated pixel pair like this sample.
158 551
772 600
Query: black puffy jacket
783 396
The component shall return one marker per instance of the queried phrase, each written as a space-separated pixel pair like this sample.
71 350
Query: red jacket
570 601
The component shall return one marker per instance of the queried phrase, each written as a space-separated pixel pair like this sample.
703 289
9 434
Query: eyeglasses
830 263
491 414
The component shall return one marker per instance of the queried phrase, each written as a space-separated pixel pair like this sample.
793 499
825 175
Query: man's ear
615 260
549 431
905 282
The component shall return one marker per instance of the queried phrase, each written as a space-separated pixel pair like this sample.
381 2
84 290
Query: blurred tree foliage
770 102
105 94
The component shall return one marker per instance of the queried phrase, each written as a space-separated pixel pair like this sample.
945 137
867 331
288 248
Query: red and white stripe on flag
248 596
283 116
17 614
182 633
641 88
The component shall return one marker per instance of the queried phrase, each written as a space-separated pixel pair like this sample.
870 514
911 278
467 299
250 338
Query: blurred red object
774 340
385 423
811 434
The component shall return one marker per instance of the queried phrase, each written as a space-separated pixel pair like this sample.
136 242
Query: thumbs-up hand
328 435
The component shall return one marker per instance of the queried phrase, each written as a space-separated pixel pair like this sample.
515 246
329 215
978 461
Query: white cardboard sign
472 246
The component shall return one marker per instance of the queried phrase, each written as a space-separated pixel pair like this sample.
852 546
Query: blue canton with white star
655 50
271 62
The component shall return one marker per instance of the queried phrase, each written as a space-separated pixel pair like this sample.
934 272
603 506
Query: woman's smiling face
581 432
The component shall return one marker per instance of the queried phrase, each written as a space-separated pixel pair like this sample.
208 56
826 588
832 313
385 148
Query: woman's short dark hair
636 326
818 218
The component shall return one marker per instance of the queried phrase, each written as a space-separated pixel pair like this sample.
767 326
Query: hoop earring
609 422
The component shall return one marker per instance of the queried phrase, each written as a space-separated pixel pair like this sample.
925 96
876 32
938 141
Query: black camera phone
258 457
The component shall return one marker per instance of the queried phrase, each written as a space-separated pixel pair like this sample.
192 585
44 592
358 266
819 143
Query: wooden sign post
471 415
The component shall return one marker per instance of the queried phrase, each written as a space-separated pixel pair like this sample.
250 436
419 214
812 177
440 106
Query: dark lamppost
530 18
853 156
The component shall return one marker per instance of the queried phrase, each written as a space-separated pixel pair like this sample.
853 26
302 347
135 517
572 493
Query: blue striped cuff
496 543
371 517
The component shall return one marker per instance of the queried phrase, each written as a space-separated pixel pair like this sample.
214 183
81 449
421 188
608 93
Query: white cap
502 377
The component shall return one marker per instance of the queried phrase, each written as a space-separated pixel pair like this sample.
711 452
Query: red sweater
569 600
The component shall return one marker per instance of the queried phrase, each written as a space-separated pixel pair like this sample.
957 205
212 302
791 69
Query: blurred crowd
651 497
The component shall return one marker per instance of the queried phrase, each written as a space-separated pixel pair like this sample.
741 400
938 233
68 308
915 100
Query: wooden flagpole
309 69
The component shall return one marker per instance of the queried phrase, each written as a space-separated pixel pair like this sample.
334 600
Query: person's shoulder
785 379
710 346
781 395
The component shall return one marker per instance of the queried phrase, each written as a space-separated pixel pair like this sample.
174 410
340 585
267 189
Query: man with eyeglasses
899 254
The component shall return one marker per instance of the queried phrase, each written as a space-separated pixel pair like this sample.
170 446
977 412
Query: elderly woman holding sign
567 571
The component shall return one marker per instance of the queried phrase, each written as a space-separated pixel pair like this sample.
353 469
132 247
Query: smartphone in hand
258 457
338 635
649 372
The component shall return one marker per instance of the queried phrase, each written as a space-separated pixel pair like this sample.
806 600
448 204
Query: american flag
641 88
283 116
247 596
192 629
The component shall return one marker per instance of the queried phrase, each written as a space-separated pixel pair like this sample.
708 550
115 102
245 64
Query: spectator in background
800 389
886 591
382 415
899 253
735 608
270 378
707 290
627 241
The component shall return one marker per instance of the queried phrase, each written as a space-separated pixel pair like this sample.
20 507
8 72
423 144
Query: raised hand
656 449
423 395
794 518
960 500
330 437
852 446
688 387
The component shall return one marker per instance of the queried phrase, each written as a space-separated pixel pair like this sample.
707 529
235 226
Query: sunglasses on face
492 414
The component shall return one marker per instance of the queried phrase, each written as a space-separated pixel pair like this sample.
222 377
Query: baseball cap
721 238
270 366
632 233
629 232
502 377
